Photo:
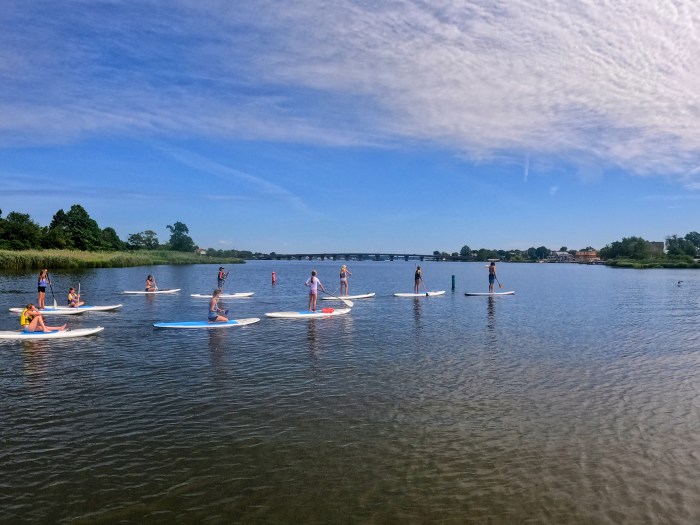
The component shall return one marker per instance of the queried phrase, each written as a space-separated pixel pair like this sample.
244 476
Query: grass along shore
37 259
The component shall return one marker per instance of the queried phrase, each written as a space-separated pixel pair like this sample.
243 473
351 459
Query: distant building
560 257
200 251
586 257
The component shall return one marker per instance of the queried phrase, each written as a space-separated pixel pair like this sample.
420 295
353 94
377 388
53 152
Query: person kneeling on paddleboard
74 298
31 321
214 310
313 283
151 285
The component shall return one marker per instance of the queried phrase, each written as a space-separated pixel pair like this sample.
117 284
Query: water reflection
36 356
217 340
417 305
491 314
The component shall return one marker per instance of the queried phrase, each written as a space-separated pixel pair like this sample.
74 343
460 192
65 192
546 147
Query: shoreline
61 259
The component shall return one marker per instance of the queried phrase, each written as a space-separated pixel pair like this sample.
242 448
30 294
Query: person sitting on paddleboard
492 275
31 321
74 298
313 283
344 285
151 284
42 283
221 278
214 310
418 277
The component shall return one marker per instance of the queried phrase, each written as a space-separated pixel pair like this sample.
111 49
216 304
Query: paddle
349 303
499 282
48 278
424 287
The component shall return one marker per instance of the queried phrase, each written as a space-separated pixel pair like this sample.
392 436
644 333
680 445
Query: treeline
76 230
673 249
483 254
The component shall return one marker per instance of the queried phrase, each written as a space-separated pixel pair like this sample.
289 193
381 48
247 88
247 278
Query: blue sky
402 126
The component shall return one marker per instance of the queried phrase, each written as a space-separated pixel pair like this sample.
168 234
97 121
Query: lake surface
576 400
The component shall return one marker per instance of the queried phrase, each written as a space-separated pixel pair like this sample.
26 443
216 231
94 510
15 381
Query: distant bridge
355 256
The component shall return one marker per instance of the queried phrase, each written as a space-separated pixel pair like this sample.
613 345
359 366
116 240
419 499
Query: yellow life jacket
25 319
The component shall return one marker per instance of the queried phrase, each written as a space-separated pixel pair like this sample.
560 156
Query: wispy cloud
234 179
611 83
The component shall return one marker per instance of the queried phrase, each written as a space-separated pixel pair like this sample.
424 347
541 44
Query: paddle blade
349 303
500 285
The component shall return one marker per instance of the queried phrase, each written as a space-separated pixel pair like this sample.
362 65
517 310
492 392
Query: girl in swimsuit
32 321
344 285
313 283
214 310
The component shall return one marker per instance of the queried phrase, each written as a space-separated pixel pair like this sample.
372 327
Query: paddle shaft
48 278
347 302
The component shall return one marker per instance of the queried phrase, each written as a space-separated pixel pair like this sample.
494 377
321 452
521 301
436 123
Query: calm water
574 401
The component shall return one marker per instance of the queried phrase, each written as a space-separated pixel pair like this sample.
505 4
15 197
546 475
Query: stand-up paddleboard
487 294
238 295
207 324
144 292
424 294
324 312
50 310
55 334
89 308
340 297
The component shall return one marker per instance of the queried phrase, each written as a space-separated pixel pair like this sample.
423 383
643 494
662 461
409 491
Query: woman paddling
214 310
31 321
418 277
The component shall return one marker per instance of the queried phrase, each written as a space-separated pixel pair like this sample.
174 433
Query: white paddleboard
207 324
238 295
144 292
66 334
424 294
486 294
89 308
50 310
308 314
337 297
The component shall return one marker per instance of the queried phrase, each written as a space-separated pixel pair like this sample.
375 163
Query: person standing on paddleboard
151 283
344 285
492 276
42 283
215 313
313 283
31 321
221 278
418 278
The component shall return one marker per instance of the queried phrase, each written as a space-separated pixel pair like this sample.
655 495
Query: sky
323 126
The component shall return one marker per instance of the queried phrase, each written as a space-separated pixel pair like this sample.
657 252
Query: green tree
628 248
693 237
542 252
179 240
74 229
466 251
111 240
677 247
20 232
150 240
